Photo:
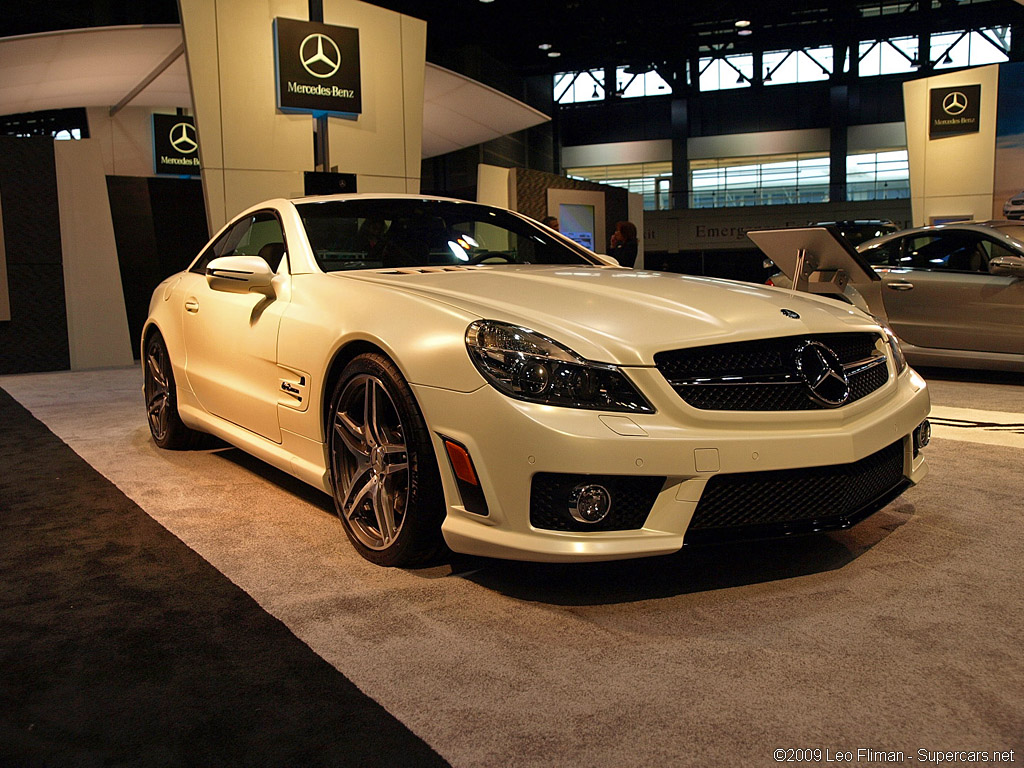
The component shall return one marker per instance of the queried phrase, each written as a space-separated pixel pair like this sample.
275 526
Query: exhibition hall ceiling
588 33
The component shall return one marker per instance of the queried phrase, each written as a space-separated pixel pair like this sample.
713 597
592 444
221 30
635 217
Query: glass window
881 175
721 73
803 66
257 235
644 84
885 255
576 87
947 250
375 234
763 180
970 48
652 180
888 57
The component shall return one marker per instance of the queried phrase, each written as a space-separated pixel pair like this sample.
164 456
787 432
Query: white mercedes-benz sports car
453 373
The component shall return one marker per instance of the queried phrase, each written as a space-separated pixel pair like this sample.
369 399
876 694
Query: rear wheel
384 475
166 426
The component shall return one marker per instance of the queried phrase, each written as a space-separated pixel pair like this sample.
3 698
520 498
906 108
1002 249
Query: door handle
902 285
191 305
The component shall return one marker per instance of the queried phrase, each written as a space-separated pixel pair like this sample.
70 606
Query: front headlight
897 352
527 366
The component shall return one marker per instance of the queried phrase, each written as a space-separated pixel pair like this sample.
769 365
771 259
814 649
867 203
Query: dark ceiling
591 33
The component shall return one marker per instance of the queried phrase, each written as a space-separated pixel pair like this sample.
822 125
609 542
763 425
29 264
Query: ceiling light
743 23
486 1
745 32
545 46
554 54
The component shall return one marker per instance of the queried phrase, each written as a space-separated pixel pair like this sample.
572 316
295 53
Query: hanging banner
317 67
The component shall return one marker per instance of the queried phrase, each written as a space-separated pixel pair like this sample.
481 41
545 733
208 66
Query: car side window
948 251
993 250
885 255
259 234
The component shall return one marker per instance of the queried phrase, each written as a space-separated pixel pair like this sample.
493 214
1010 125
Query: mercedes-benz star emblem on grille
183 138
319 55
790 313
823 373
954 103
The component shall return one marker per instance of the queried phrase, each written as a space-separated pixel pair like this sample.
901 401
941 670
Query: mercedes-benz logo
183 138
954 103
823 374
321 52
790 314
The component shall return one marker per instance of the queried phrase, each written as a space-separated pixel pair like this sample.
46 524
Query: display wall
951 175
251 150
36 336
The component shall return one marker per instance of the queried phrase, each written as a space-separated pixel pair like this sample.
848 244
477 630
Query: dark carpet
119 645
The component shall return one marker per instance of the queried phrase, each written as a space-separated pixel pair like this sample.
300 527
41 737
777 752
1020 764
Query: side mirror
1007 266
240 274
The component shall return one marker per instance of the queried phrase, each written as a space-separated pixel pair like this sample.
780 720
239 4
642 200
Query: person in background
550 221
624 243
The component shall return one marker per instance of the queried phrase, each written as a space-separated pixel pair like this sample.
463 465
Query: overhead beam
160 69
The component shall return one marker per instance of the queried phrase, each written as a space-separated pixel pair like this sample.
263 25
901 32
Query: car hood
622 316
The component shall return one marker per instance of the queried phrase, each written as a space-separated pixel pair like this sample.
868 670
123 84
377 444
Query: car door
939 294
231 338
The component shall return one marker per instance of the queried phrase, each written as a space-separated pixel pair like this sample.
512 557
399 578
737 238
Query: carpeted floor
122 646
902 634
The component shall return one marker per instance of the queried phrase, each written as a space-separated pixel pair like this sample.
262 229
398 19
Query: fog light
922 436
590 503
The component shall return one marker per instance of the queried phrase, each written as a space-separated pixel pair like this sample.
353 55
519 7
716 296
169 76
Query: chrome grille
763 375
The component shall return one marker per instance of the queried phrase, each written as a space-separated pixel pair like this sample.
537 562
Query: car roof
376 196
1013 230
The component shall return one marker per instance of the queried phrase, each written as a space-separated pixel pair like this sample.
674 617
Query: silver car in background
954 293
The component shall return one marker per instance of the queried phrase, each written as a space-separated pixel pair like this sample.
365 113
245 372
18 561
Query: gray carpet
902 634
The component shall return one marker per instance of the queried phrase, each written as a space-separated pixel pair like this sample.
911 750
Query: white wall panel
250 150
617 153
953 175
761 143
125 140
385 140
97 322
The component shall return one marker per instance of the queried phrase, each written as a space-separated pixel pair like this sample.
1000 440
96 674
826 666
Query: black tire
166 426
384 476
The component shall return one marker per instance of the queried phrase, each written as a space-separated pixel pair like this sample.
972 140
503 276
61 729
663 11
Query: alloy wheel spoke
371 414
361 488
352 435
385 512
395 459
156 371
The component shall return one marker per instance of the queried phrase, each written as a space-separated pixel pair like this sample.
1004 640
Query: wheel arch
344 355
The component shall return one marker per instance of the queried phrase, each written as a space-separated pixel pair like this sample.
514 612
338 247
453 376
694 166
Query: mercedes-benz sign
317 67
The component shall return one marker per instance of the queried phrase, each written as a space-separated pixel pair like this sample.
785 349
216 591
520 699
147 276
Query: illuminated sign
317 67
175 145
954 111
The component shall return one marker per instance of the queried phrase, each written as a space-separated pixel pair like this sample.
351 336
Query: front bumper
511 442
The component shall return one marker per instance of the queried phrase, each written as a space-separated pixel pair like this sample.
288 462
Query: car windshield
375 234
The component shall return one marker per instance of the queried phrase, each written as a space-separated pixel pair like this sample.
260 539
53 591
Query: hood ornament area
823 373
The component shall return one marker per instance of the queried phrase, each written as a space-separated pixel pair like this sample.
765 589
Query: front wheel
165 424
384 476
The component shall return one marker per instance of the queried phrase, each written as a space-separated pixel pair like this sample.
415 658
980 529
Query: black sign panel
320 183
954 111
317 67
175 145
